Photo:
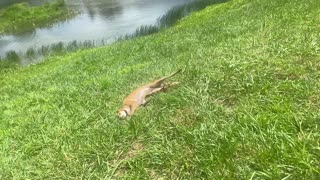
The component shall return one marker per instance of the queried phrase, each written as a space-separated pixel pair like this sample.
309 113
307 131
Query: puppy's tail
158 82
171 74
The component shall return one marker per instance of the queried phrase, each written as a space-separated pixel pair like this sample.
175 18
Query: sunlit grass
247 106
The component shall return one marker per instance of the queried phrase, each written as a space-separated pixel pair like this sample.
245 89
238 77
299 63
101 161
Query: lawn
247 106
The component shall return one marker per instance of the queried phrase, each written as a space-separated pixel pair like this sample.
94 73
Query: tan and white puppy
138 96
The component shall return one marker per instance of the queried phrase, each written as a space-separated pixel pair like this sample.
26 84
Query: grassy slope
247 106
21 16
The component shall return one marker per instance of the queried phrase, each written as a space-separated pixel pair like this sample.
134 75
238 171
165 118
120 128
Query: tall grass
12 56
141 31
10 61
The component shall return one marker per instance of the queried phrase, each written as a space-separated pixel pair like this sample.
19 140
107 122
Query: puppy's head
123 112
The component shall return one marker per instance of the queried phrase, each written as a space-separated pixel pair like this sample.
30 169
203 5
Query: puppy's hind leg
155 90
145 102
169 85
172 84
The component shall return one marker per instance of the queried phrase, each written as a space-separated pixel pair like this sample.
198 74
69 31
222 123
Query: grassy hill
247 107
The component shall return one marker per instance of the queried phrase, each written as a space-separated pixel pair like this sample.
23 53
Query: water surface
98 20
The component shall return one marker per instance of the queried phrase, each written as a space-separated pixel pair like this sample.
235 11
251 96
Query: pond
98 20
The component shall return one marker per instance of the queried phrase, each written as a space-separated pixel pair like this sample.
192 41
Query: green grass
21 17
247 107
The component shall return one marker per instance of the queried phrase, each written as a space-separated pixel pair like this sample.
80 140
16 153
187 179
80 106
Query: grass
21 17
247 106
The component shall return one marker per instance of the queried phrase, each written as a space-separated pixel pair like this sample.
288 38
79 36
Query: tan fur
138 96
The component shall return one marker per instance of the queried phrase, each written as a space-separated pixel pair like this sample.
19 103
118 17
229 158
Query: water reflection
106 9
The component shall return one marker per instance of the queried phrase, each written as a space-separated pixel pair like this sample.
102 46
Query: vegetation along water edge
21 17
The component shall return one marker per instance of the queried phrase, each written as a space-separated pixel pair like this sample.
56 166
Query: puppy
138 96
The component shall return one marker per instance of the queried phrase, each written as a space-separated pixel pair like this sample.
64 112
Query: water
98 20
